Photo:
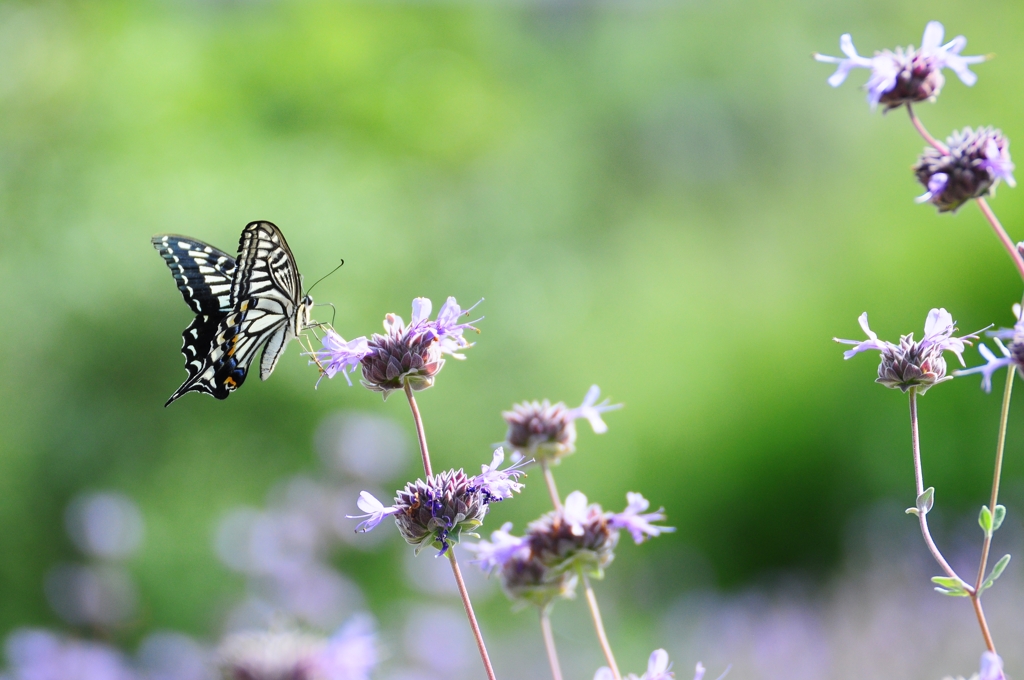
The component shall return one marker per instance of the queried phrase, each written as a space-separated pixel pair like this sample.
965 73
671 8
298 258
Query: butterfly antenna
310 289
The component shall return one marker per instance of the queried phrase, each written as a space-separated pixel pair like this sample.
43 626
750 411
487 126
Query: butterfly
241 304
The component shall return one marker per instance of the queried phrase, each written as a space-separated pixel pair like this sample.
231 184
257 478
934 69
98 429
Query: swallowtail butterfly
241 304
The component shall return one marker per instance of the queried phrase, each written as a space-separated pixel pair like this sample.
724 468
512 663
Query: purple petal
932 38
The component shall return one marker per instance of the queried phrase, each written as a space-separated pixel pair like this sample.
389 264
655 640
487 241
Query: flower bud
399 358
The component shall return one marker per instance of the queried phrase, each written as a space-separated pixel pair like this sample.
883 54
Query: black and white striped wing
264 301
262 310
204 275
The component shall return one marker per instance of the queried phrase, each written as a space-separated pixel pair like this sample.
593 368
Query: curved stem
919 480
549 644
549 479
421 434
924 133
602 638
469 613
1004 238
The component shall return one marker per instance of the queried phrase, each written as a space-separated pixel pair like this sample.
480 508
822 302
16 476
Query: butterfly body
241 305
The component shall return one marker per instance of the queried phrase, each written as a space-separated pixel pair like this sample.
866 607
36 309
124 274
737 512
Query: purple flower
913 364
503 546
350 654
375 512
497 485
449 331
906 75
997 161
638 524
658 668
991 365
991 667
339 356
937 183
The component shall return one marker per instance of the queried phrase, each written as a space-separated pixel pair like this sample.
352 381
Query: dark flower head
542 430
971 167
524 577
439 510
405 355
910 363
906 75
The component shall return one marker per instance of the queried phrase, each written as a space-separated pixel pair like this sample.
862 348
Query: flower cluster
580 536
971 166
542 430
913 364
905 76
437 511
410 354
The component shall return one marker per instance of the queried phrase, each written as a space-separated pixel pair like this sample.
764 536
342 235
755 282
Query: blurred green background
663 198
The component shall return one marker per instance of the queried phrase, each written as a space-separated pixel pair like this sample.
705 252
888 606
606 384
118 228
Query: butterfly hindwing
262 307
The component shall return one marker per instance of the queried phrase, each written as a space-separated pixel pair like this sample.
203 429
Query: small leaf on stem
985 520
997 571
926 500
953 587
998 517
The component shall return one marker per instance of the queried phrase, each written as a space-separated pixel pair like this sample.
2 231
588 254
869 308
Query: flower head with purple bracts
439 510
971 166
905 76
410 354
911 364
542 430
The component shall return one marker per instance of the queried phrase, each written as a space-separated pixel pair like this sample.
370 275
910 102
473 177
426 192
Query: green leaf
948 582
998 517
926 500
912 511
985 520
953 593
997 571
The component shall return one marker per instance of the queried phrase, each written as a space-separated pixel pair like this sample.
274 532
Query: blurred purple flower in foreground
42 655
913 364
258 655
907 75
